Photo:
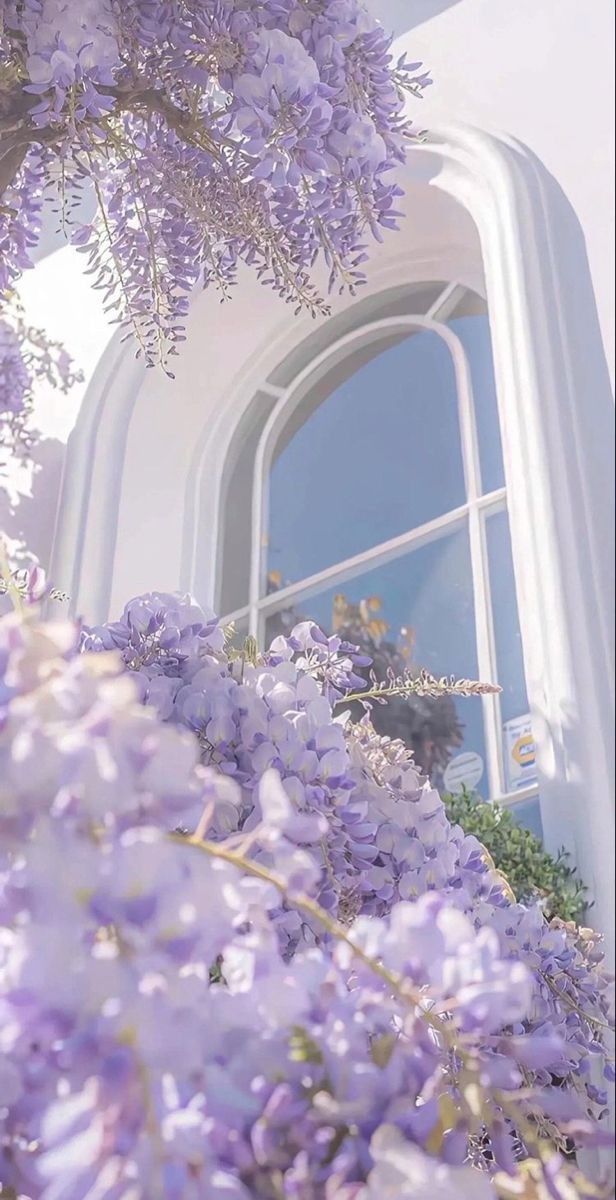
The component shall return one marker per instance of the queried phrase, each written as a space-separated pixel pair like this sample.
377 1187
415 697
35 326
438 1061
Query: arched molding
87 518
556 418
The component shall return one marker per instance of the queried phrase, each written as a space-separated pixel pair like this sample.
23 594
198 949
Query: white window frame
472 515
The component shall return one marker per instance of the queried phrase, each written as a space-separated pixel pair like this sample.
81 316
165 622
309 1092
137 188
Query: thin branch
573 1007
149 100
303 903
152 100
542 1147
423 684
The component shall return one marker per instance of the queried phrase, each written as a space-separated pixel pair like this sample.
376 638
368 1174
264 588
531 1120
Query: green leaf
520 857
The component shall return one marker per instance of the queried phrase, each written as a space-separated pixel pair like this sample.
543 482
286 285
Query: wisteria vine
27 357
213 133
243 953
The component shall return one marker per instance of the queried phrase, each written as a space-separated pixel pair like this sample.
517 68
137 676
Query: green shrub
531 872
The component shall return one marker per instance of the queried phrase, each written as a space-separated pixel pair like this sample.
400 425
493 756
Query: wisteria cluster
27 355
168 1028
212 132
376 831
429 726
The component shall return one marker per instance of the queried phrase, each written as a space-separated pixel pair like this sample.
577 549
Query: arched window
368 494
158 477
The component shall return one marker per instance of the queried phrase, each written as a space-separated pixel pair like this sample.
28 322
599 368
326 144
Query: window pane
474 333
379 456
418 609
518 746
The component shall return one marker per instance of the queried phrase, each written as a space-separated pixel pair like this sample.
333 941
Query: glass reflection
415 611
380 455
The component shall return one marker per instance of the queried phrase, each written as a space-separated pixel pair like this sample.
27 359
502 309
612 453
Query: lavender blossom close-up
246 950
276 1001
212 134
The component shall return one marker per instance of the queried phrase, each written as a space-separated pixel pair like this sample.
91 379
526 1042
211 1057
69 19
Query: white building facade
443 441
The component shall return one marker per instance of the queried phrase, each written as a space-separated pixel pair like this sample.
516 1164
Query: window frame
472 515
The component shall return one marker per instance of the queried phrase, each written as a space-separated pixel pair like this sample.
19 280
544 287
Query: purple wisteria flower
213 134
15 379
374 829
27 356
186 1018
68 45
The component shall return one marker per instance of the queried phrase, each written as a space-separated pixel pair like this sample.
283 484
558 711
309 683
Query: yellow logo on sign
523 751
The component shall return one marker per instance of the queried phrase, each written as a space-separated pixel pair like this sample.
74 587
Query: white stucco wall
542 72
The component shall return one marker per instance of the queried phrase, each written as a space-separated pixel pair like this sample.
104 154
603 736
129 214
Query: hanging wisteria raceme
212 132
27 357
157 1038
